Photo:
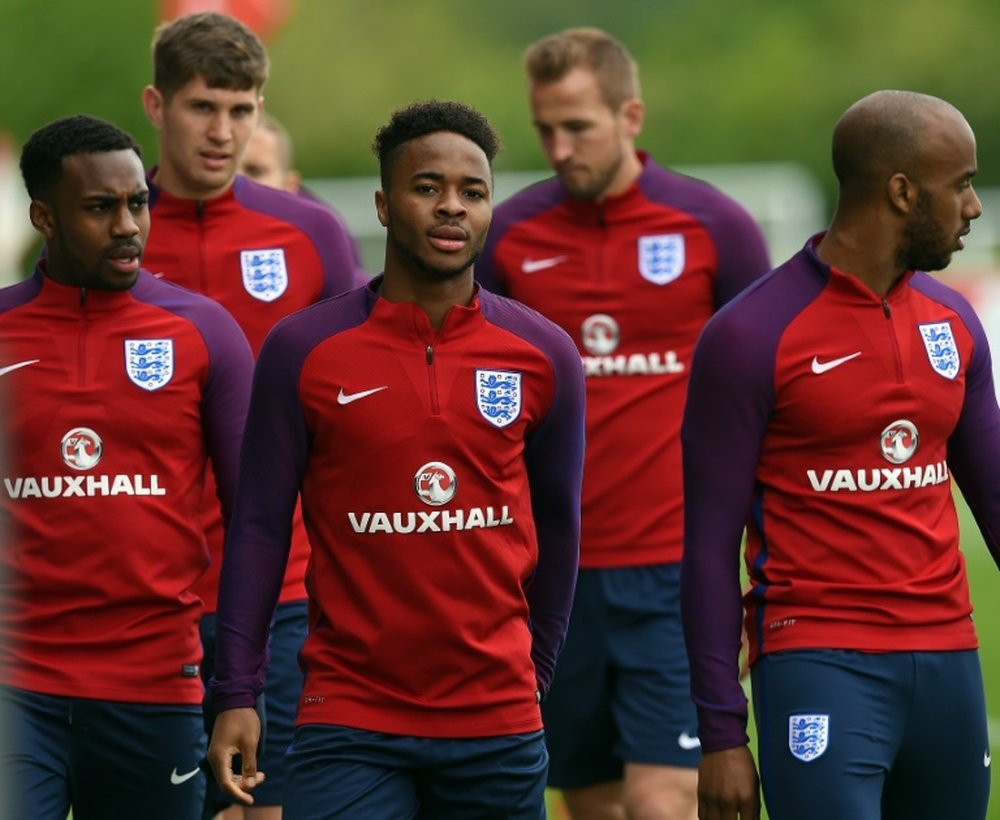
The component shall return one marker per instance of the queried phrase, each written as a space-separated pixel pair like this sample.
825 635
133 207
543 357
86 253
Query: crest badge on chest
498 396
661 257
941 348
265 274
149 363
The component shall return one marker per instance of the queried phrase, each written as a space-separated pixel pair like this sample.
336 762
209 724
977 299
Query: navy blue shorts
102 759
872 736
622 691
339 772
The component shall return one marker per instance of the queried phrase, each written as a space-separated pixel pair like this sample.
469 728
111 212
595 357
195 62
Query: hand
728 786
236 732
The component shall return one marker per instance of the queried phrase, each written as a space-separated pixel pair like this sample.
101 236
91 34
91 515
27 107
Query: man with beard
120 391
631 260
435 432
828 410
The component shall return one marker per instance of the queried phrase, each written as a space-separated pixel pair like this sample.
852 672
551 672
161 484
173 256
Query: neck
173 183
434 297
628 173
870 259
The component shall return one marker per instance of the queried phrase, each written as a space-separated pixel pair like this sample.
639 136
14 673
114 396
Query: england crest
941 348
808 736
149 362
265 275
661 258
498 396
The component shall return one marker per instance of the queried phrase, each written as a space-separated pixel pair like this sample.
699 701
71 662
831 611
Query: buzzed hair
882 134
430 117
553 57
215 47
43 153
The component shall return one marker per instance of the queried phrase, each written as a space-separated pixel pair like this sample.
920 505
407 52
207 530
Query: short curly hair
43 153
429 117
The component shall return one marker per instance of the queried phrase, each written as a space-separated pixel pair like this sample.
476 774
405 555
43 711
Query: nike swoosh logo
686 742
822 367
177 779
5 370
987 759
347 398
535 265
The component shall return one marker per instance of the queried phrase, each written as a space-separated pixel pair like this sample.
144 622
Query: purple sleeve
554 460
974 445
224 404
259 535
741 249
730 396
272 463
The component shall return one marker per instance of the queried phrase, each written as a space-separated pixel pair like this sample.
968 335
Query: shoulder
311 325
306 215
527 324
211 319
14 296
755 320
939 292
695 196
527 204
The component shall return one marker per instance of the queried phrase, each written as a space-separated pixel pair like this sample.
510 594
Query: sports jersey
114 402
830 421
632 279
262 254
440 477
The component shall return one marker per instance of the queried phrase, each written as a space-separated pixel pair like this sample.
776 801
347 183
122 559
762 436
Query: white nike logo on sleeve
822 367
5 370
347 398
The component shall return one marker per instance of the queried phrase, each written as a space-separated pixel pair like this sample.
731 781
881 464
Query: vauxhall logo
81 450
898 443
436 485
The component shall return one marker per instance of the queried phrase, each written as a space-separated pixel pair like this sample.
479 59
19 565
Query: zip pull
885 308
430 354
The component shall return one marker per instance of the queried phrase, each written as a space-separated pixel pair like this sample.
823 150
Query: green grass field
986 600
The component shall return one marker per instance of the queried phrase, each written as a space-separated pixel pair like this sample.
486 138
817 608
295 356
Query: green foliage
723 81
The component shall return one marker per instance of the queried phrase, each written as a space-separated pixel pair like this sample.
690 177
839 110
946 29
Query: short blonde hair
553 57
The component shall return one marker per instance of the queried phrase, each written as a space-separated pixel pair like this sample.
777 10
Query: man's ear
633 115
41 218
153 104
902 192
381 209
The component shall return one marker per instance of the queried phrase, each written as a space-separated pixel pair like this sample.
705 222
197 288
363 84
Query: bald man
828 410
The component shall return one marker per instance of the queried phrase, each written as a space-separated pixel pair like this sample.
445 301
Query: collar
616 207
847 285
75 299
167 202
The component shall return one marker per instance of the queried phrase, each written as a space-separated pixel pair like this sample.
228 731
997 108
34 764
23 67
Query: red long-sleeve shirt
114 404
632 280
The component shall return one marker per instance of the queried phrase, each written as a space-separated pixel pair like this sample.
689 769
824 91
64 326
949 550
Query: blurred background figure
631 260
269 158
